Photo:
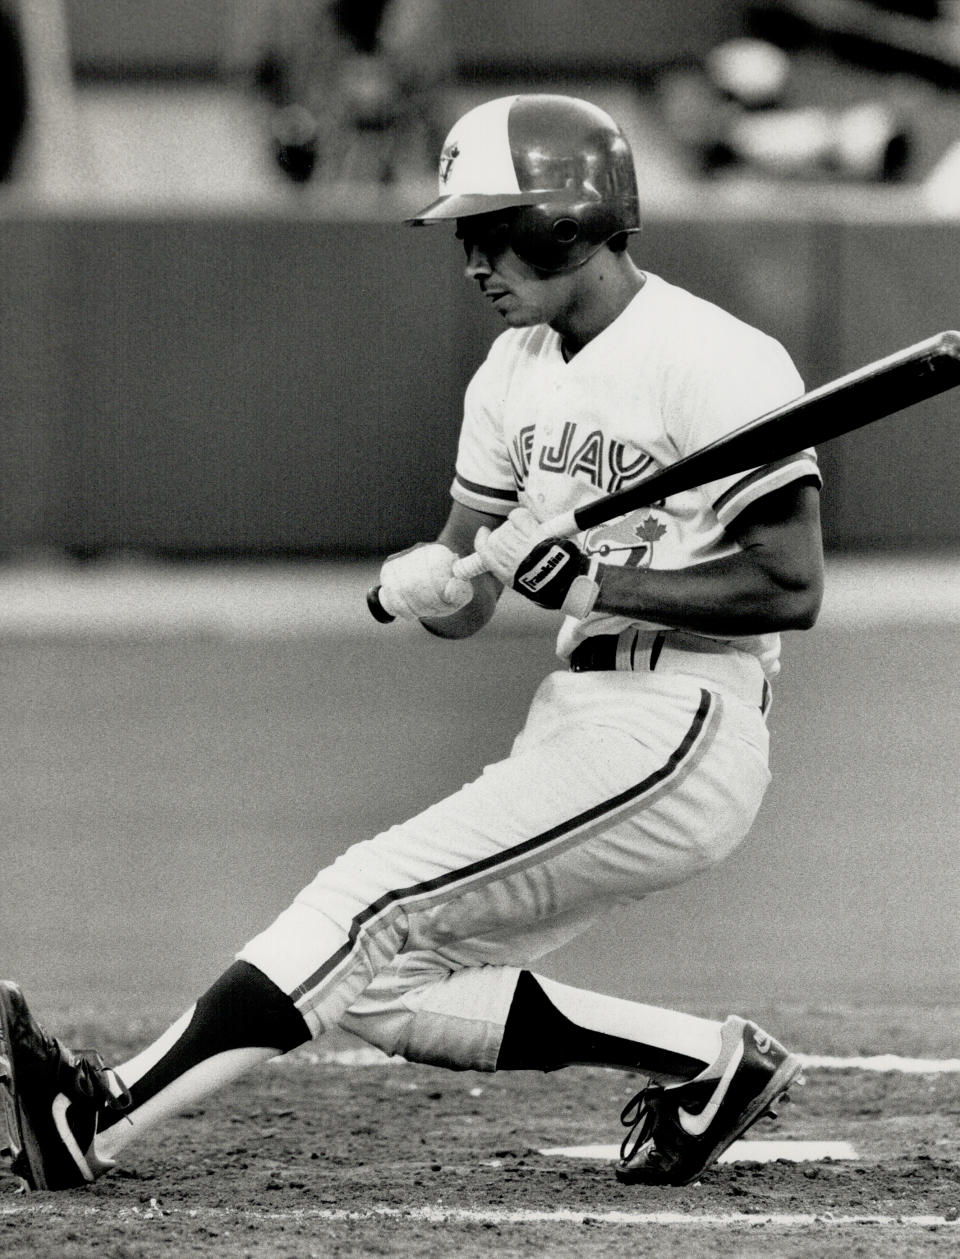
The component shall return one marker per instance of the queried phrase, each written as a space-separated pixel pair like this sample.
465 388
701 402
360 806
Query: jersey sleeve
484 477
743 386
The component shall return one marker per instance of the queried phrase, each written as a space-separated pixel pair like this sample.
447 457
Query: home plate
739 1152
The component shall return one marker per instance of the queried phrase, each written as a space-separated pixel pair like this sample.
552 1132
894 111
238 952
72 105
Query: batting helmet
562 163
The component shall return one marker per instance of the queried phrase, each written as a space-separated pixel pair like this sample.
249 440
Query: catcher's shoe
50 1098
678 1130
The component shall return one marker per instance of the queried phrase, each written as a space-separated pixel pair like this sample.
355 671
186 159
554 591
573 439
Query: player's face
519 293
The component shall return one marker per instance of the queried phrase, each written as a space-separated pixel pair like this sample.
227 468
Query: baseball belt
648 651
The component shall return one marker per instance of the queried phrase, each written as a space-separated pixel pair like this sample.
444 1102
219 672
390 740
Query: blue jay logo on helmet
447 158
562 165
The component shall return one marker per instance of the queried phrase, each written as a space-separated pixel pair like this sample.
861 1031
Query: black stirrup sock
242 1009
539 1037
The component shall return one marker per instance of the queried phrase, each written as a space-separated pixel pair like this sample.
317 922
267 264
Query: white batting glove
550 571
420 583
502 549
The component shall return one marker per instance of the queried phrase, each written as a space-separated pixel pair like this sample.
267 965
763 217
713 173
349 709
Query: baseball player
643 759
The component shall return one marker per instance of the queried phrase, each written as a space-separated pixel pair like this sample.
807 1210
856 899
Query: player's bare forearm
774 582
458 534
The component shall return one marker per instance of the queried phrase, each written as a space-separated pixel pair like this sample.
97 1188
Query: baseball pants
618 786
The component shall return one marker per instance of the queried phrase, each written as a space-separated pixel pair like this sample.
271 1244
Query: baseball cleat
678 1130
50 1099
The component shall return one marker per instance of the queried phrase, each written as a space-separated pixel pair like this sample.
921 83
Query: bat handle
467 568
377 610
562 526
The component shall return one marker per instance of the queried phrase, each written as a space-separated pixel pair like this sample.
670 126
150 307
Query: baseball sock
243 1019
551 1025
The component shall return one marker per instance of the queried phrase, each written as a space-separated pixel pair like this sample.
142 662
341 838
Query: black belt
600 652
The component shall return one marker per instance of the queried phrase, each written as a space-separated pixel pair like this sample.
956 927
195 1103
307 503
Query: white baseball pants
619 785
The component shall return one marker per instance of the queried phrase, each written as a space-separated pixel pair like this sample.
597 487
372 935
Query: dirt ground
319 1158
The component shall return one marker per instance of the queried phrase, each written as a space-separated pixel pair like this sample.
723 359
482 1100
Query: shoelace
640 1116
83 1077
99 1084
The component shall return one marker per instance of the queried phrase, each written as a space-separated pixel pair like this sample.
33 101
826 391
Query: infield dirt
276 1166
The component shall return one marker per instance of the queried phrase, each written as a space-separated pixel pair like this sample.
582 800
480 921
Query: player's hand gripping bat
852 401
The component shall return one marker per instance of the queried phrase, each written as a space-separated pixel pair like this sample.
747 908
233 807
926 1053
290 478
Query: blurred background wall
217 337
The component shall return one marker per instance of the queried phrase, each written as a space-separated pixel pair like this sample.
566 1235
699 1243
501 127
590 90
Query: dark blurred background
218 339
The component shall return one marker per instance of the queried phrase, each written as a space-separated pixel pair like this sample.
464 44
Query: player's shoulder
504 366
515 349
675 306
513 344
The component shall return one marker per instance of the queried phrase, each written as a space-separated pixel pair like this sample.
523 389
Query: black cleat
50 1099
677 1131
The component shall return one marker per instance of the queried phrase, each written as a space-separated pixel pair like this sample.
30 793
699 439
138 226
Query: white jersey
670 374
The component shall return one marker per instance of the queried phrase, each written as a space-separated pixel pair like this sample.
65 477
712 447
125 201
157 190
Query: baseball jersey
670 374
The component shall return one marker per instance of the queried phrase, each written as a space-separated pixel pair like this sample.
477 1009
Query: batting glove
420 583
551 572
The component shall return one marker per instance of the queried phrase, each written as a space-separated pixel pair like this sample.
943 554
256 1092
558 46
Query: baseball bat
870 393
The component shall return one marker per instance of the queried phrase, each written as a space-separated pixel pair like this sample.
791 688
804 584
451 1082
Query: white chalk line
746 1151
369 1057
884 1062
476 1215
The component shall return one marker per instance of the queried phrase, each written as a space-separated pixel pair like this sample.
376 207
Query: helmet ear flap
565 232
545 237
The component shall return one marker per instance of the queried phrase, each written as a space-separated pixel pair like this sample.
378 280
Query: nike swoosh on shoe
88 1165
696 1125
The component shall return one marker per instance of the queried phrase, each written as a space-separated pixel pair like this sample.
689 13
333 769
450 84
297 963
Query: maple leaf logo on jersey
447 159
626 538
651 530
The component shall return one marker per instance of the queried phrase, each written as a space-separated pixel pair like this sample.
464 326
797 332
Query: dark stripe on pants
543 840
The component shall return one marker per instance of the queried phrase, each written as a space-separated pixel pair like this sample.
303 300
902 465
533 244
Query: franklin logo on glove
545 570
557 575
